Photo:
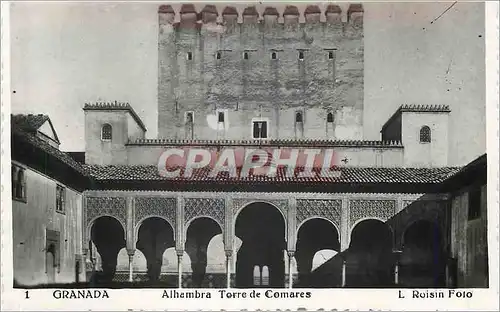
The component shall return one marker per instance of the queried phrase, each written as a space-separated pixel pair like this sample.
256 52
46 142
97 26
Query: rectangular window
274 55
18 183
301 55
189 56
218 55
259 129
188 117
60 198
330 55
220 116
245 55
474 203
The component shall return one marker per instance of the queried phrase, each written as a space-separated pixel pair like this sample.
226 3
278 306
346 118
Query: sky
65 54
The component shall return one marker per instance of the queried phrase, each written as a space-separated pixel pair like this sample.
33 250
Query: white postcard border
328 299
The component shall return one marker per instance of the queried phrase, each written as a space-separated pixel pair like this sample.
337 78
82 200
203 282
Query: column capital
291 253
180 253
130 252
229 253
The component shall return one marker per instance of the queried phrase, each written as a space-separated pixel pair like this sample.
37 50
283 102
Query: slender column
290 269
228 237
344 269
229 254
397 254
344 224
130 265
179 267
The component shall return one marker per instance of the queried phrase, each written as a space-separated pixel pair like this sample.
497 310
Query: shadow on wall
415 239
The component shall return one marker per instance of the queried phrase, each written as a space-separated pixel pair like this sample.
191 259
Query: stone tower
261 78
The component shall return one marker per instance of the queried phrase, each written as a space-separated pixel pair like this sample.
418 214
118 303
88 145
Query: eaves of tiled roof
269 143
415 108
341 175
32 139
116 106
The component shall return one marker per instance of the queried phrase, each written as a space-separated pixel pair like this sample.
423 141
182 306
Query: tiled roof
347 175
106 106
417 108
30 122
272 142
19 133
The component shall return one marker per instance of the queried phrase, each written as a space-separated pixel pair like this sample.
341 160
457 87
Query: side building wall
469 244
33 219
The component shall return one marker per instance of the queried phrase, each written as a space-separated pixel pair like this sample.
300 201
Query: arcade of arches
267 240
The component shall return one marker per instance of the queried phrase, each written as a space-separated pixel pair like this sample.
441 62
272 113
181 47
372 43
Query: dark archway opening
369 258
315 235
154 237
261 228
108 236
423 259
199 234
50 264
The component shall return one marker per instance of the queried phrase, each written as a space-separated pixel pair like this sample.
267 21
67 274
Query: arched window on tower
106 132
329 118
425 134
298 117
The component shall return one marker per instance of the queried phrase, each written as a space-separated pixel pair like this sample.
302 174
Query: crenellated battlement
269 16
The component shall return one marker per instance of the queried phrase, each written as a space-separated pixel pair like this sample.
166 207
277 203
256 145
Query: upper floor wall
259 67
45 213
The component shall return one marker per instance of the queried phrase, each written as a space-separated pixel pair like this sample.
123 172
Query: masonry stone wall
417 154
31 220
205 66
469 245
102 152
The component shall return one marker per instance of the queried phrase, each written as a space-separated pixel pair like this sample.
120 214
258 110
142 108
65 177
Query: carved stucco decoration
281 204
155 207
324 208
379 209
212 207
106 206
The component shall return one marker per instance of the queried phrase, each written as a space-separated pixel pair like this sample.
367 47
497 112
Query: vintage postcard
168 156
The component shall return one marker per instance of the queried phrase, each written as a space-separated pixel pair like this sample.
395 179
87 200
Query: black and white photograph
244 147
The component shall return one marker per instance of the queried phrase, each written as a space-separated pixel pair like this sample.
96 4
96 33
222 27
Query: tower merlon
355 14
333 14
291 15
188 14
270 16
312 14
250 15
209 14
166 14
230 15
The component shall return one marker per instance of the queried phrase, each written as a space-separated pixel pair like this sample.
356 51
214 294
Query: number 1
27 295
